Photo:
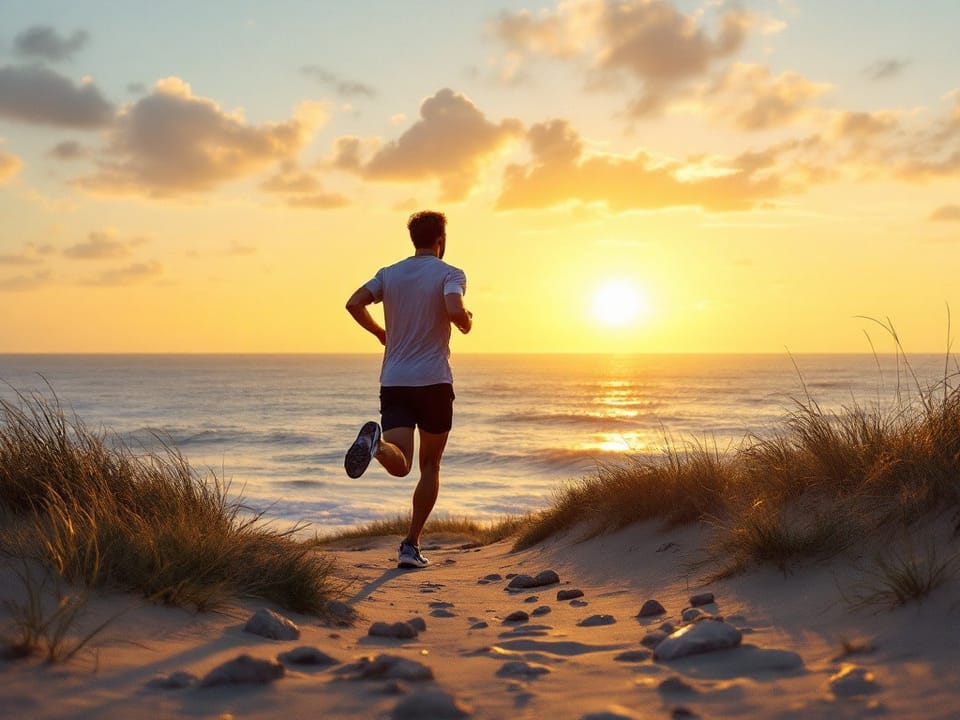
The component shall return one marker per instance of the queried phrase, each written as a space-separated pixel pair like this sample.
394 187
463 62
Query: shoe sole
358 457
411 564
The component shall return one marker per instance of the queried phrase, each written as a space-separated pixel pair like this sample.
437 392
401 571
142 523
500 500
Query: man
422 296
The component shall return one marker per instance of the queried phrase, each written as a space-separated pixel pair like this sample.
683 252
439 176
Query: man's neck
425 251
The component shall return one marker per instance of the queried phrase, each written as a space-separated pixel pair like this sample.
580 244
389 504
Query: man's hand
357 307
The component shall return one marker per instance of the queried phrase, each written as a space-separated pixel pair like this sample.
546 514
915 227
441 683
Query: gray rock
613 713
493 577
542 610
531 599
633 656
269 624
441 604
578 603
306 655
517 616
701 599
700 637
388 667
418 624
675 684
853 680
174 681
431 705
668 627
442 613
522 670
522 582
653 638
651 608
691 614
244 670
480 625
570 594
597 620
399 630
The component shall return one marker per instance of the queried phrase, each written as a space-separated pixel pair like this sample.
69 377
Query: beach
803 650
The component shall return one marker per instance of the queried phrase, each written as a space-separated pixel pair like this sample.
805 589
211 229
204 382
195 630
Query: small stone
531 599
441 604
442 613
542 610
306 655
399 630
668 627
433 704
578 603
418 624
570 594
269 624
701 599
651 608
480 625
691 614
597 620
521 582
517 616
493 577
614 712
653 638
522 670
853 680
174 681
675 684
700 637
633 656
388 667
244 670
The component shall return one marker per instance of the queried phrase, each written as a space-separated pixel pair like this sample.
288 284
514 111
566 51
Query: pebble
517 616
614 712
675 684
542 610
633 656
653 638
306 655
388 667
700 637
570 594
578 603
597 620
269 624
244 670
418 624
399 630
853 680
522 582
433 704
531 599
691 614
441 604
480 625
651 608
701 599
442 613
522 669
493 577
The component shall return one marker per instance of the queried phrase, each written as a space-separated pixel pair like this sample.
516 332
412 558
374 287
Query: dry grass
481 533
101 516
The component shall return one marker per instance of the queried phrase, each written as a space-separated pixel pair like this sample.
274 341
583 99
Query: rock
388 667
480 625
691 614
614 712
853 680
174 681
542 610
269 624
340 613
442 613
597 620
571 594
683 713
522 582
399 630
517 616
418 624
633 656
306 655
700 637
493 577
675 684
651 608
531 599
431 705
244 670
668 627
653 638
439 604
701 599
522 670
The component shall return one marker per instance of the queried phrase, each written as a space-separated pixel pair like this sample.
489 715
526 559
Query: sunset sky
221 176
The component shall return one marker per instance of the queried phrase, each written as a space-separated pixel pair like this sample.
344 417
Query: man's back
418 327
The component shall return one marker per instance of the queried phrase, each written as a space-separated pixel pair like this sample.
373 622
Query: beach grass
473 531
102 516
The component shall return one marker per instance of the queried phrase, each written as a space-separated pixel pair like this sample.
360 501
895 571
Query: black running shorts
429 407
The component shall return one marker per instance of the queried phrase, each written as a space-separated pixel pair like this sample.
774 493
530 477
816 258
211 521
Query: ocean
277 426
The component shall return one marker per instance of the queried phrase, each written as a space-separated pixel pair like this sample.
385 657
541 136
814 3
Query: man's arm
357 307
459 315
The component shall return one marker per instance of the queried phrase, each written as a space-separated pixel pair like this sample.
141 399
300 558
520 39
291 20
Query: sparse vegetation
903 576
477 532
101 516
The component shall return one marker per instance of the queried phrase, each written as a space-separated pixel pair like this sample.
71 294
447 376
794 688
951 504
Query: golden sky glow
757 174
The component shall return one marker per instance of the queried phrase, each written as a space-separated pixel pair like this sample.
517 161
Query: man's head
426 227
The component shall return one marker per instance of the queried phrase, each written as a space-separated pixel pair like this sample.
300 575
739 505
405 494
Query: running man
422 296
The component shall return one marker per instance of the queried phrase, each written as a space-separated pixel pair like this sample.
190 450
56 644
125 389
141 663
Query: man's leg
425 495
395 451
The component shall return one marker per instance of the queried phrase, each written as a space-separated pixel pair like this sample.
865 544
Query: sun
617 303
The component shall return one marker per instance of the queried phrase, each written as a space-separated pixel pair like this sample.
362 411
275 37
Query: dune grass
101 516
478 532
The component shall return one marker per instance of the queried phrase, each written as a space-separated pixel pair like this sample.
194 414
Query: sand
793 627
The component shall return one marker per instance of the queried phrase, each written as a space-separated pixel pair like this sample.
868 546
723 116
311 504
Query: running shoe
409 556
360 454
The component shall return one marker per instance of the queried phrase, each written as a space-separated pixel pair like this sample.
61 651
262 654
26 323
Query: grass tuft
482 533
902 577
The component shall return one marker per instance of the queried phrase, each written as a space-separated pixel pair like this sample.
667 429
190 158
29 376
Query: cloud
36 94
99 246
449 143
885 69
172 142
21 259
69 150
344 88
946 213
302 189
318 201
129 275
9 166
45 43
647 42
756 100
559 172
25 282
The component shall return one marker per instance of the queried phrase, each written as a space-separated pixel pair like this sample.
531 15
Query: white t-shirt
415 315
